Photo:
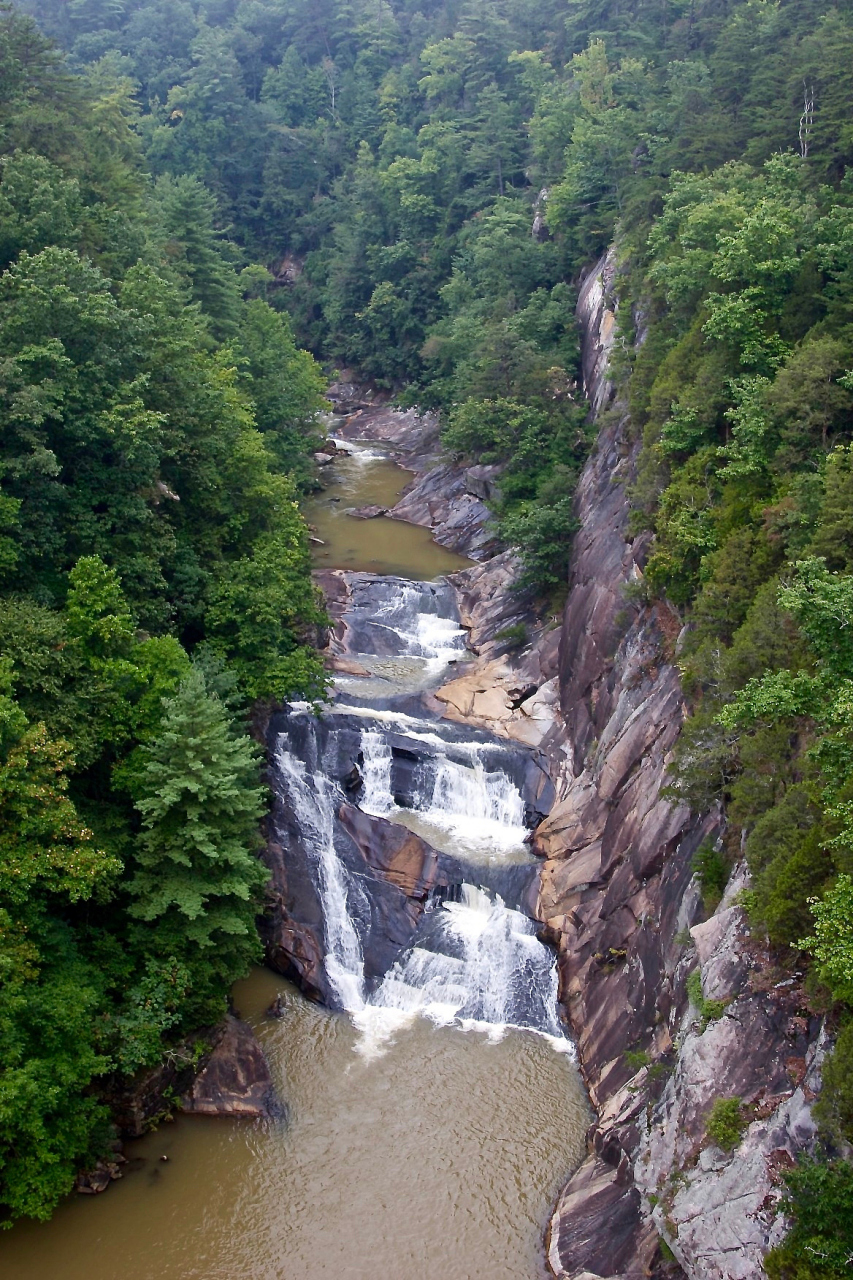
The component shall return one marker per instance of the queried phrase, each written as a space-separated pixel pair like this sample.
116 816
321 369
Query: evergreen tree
195 870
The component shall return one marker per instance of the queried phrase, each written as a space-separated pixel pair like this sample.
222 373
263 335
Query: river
435 1110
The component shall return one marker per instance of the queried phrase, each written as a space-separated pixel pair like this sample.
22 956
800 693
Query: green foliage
832 941
515 636
285 385
195 873
155 1005
159 418
541 450
48 993
708 1010
712 870
148 475
726 1123
50 1124
819 1206
543 534
834 1108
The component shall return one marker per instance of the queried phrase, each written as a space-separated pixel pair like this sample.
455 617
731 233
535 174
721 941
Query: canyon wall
596 693
619 900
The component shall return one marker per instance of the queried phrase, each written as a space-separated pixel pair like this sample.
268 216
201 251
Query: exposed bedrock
218 1071
393 873
235 1080
620 902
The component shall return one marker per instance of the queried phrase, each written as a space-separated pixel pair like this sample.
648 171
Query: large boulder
235 1080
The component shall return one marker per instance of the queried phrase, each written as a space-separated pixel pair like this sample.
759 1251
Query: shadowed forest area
201 201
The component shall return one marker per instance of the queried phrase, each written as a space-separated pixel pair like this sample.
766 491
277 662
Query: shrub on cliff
834 1108
819 1206
726 1123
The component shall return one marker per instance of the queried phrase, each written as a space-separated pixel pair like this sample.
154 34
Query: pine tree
196 874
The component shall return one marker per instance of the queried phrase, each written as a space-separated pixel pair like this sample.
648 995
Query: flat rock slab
367 513
236 1079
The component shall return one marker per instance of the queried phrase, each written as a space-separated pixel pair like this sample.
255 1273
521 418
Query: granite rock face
619 899
447 500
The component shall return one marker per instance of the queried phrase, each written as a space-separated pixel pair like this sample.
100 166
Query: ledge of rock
367 513
597 1228
235 1080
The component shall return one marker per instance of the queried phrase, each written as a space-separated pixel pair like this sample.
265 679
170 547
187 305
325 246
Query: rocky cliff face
619 899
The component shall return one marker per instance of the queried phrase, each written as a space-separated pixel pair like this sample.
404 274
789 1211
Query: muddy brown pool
438 1160
381 545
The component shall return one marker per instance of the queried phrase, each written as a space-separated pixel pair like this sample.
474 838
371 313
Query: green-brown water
381 545
436 1161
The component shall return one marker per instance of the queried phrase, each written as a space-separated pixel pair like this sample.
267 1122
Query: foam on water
471 810
474 962
486 971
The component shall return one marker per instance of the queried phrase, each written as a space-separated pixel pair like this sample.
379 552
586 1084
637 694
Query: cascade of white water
424 632
376 797
479 963
474 961
313 803
479 811
485 969
475 793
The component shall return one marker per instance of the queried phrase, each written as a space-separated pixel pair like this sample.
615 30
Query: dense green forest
157 418
196 183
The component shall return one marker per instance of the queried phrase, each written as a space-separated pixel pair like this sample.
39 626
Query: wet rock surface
397 874
92 1182
235 1080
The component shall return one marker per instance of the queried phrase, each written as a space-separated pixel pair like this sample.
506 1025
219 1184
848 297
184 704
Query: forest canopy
157 423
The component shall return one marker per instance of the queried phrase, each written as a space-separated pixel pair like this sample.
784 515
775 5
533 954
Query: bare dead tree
806 119
330 71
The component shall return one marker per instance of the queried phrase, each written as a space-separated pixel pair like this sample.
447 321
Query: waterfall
407 633
484 969
473 962
416 614
479 812
468 790
312 802
376 797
